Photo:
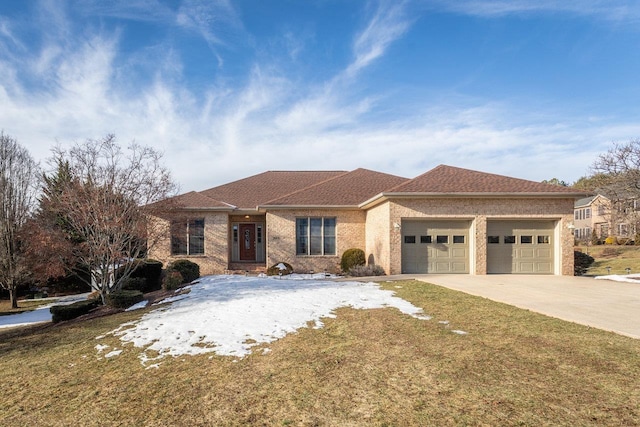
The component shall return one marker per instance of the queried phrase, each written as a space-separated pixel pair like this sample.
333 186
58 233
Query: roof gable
452 180
348 189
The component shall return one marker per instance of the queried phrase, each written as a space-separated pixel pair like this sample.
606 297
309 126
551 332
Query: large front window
187 237
315 236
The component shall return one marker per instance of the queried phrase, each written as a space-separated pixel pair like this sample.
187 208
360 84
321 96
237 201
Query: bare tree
618 178
18 189
104 206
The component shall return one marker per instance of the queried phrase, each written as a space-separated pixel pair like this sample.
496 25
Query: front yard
363 367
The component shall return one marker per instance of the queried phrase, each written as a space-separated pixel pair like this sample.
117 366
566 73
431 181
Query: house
447 220
592 214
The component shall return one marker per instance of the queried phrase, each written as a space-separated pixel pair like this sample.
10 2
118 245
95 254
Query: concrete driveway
604 304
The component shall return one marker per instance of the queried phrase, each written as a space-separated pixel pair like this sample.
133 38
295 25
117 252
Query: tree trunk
13 297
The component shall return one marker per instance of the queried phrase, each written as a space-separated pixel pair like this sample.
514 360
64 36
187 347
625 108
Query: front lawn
364 367
618 258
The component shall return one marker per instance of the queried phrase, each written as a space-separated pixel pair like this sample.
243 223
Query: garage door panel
521 246
440 246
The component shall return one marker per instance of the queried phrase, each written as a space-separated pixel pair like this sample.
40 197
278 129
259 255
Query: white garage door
435 246
524 247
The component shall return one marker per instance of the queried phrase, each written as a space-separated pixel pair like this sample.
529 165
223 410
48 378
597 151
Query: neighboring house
448 220
593 214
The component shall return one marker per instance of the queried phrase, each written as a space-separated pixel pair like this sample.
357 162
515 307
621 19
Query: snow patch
228 315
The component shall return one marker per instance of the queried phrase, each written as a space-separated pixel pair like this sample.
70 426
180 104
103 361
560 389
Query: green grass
365 367
619 258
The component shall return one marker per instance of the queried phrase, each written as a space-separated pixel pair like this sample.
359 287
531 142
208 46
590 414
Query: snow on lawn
40 314
620 278
229 315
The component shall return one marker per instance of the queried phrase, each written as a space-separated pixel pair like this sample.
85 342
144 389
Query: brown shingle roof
348 189
451 180
194 199
255 190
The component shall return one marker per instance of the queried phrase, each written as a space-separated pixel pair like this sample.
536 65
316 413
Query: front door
247 242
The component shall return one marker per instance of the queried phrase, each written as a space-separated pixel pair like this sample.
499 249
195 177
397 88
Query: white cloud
611 10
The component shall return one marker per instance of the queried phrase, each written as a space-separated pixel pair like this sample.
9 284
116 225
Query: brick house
448 220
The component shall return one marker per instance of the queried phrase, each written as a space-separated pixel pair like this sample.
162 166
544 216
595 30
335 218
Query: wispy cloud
612 10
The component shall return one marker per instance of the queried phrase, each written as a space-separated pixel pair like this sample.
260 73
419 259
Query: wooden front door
247 242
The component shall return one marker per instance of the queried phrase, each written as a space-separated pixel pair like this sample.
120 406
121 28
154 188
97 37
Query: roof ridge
308 187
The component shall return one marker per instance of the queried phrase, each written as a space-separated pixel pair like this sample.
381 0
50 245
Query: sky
228 89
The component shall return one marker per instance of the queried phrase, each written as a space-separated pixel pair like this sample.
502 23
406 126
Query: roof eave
290 207
496 195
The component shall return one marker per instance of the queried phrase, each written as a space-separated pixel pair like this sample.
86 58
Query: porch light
247 217
396 226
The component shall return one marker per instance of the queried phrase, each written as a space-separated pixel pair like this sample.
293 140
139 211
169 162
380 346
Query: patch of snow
101 347
141 304
459 332
443 322
40 314
620 278
229 315
113 353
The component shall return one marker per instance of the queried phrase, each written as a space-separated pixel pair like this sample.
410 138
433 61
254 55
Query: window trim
324 238
188 236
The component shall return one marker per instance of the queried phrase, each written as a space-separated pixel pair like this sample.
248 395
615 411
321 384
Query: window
315 236
526 240
587 213
425 239
600 210
458 239
187 238
576 215
493 240
259 235
442 239
410 239
509 239
543 240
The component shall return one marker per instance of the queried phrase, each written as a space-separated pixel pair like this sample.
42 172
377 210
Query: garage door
435 246
524 247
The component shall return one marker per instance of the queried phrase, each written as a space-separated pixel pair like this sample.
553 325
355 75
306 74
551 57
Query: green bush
124 298
275 269
581 262
61 313
190 271
366 270
148 269
135 284
352 258
172 279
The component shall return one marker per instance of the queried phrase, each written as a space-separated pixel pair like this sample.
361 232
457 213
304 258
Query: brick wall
216 255
479 210
378 236
281 238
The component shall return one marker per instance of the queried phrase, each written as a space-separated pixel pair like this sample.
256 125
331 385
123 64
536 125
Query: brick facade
479 210
216 236
281 238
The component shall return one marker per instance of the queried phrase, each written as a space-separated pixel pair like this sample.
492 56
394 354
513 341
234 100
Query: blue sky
226 89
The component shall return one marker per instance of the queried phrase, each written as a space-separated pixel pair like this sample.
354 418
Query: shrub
581 262
611 240
366 270
148 269
352 258
189 270
623 240
61 313
135 284
276 269
124 298
172 279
